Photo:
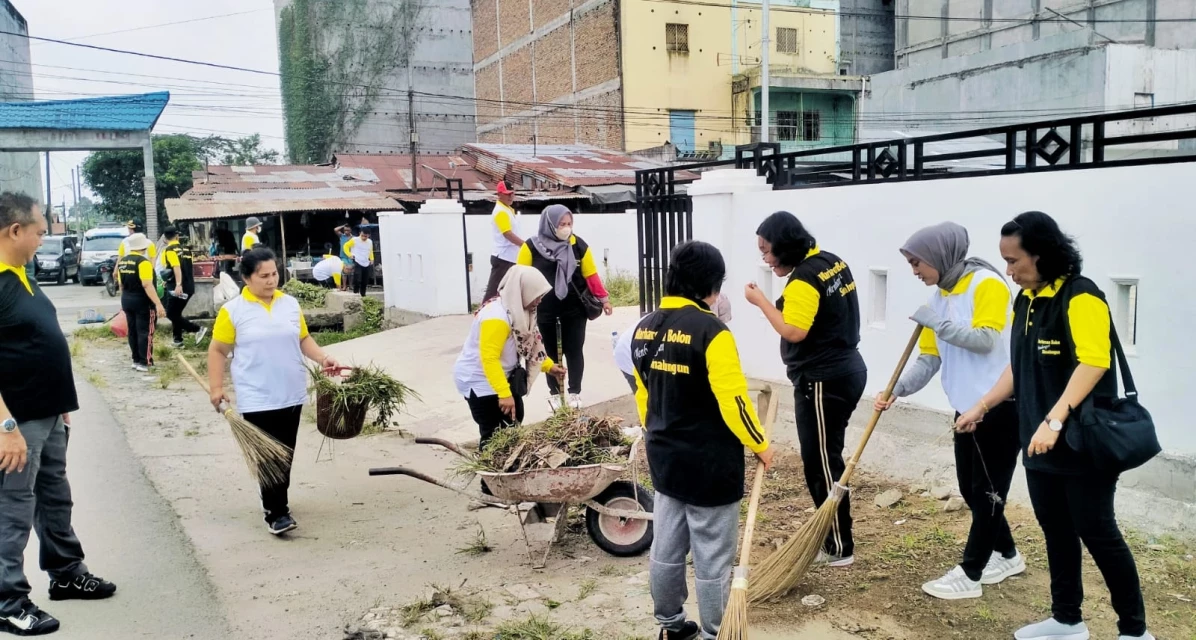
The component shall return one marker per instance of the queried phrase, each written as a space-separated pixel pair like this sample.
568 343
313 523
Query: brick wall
546 10
554 67
485 29
487 88
517 80
515 20
597 53
600 122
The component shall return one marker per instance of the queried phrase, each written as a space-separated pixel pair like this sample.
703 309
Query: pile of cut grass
582 438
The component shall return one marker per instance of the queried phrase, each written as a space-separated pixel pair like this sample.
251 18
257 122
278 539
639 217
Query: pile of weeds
569 438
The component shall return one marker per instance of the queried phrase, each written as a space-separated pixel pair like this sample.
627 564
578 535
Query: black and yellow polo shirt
176 255
587 272
693 401
35 360
1054 329
821 299
133 270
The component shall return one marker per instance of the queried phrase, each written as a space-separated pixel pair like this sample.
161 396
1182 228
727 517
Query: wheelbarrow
618 512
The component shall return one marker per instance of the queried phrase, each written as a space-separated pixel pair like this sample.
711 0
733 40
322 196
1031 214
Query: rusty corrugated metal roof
393 172
558 166
210 209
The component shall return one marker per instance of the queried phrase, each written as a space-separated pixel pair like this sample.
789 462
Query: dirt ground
369 549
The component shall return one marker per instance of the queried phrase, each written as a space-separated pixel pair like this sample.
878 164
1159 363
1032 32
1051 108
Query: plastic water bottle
614 339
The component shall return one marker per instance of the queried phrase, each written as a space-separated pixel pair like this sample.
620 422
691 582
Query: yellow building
691 74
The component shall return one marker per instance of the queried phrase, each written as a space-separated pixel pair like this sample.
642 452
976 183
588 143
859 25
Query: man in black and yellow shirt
180 286
818 319
693 401
37 396
139 300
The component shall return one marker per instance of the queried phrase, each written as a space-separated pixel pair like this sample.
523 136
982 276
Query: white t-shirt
502 220
362 251
326 267
467 372
623 349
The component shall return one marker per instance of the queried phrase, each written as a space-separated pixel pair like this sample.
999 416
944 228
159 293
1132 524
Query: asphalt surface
72 300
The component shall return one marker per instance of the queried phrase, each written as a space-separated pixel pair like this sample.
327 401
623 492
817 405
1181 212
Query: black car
58 259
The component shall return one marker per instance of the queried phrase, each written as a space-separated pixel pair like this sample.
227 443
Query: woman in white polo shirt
964 322
265 329
503 336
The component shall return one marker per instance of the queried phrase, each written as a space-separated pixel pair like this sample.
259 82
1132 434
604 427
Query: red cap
503 189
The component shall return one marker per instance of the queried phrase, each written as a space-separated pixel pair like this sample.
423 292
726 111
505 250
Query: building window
676 38
786 126
786 40
811 128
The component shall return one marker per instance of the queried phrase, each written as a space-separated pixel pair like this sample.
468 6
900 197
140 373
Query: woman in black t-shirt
1060 354
818 319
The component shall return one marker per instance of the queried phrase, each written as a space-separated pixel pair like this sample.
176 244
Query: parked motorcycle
108 276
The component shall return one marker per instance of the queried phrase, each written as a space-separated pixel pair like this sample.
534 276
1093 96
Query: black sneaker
282 525
28 620
688 632
83 587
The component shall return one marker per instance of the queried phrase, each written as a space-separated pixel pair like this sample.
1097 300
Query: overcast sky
202 101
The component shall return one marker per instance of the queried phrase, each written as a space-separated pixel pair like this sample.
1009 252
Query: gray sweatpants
38 497
710 533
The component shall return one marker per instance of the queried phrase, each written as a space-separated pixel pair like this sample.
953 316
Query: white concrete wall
1131 223
612 238
423 268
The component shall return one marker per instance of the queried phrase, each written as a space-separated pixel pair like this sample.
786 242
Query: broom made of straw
735 618
268 459
782 570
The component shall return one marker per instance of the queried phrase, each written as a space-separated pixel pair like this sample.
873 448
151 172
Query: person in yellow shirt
504 225
122 249
180 286
504 354
361 250
139 300
252 237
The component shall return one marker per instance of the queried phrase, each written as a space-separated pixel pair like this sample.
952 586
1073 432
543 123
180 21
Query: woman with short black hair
1060 354
818 319
265 329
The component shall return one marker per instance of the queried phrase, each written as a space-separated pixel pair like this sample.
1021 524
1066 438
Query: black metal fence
1160 136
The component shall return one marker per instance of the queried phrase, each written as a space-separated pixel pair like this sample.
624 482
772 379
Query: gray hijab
945 247
559 251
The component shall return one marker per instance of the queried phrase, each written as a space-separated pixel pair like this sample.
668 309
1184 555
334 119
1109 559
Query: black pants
283 424
573 341
498 270
984 464
361 277
823 411
178 324
141 320
1079 508
490 418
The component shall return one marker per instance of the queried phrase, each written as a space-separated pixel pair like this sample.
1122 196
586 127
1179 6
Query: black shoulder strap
1123 365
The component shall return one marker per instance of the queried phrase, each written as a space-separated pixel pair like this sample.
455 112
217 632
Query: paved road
71 299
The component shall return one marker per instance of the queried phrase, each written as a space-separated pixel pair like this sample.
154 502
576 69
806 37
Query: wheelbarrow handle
451 446
404 471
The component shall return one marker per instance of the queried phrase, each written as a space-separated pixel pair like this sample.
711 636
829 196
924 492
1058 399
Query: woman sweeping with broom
963 322
265 329
818 318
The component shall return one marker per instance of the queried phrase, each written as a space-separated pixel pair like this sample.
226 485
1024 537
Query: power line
169 24
865 14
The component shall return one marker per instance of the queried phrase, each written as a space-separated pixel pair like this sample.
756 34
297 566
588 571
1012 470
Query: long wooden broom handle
749 529
859 450
194 374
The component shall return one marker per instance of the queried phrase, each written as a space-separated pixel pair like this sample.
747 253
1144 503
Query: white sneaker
554 402
199 335
140 367
1052 629
1000 567
575 400
826 559
1145 636
954 586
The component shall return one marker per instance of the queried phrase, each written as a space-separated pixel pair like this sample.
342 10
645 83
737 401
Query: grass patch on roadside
586 588
93 333
373 319
478 547
537 628
623 287
310 296
98 381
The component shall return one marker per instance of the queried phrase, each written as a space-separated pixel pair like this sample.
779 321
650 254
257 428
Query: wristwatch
1055 425
8 426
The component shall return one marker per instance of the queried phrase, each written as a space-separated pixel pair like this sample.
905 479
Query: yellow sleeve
223 329
502 220
145 271
801 304
927 344
547 365
641 398
371 252
172 258
336 278
1088 317
991 305
492 337
730 389
588 267
349 246
152 252
303 332
120 250
525 256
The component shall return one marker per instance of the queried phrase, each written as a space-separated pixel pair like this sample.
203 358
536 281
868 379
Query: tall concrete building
366 56
637 74
18 171
1004 61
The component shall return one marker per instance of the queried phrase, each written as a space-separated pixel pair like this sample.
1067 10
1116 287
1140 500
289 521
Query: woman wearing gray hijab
964 321
568 265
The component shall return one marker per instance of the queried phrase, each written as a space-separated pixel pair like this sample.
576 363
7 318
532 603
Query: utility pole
49 214
765 83
411 127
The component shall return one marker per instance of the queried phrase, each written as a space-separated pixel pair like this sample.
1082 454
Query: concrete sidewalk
422 355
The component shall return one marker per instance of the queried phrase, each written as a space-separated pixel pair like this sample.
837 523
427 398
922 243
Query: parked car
99 245
58 259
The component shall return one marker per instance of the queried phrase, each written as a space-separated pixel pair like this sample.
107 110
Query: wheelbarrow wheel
619 536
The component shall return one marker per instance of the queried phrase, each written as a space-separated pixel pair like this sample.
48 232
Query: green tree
116 176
